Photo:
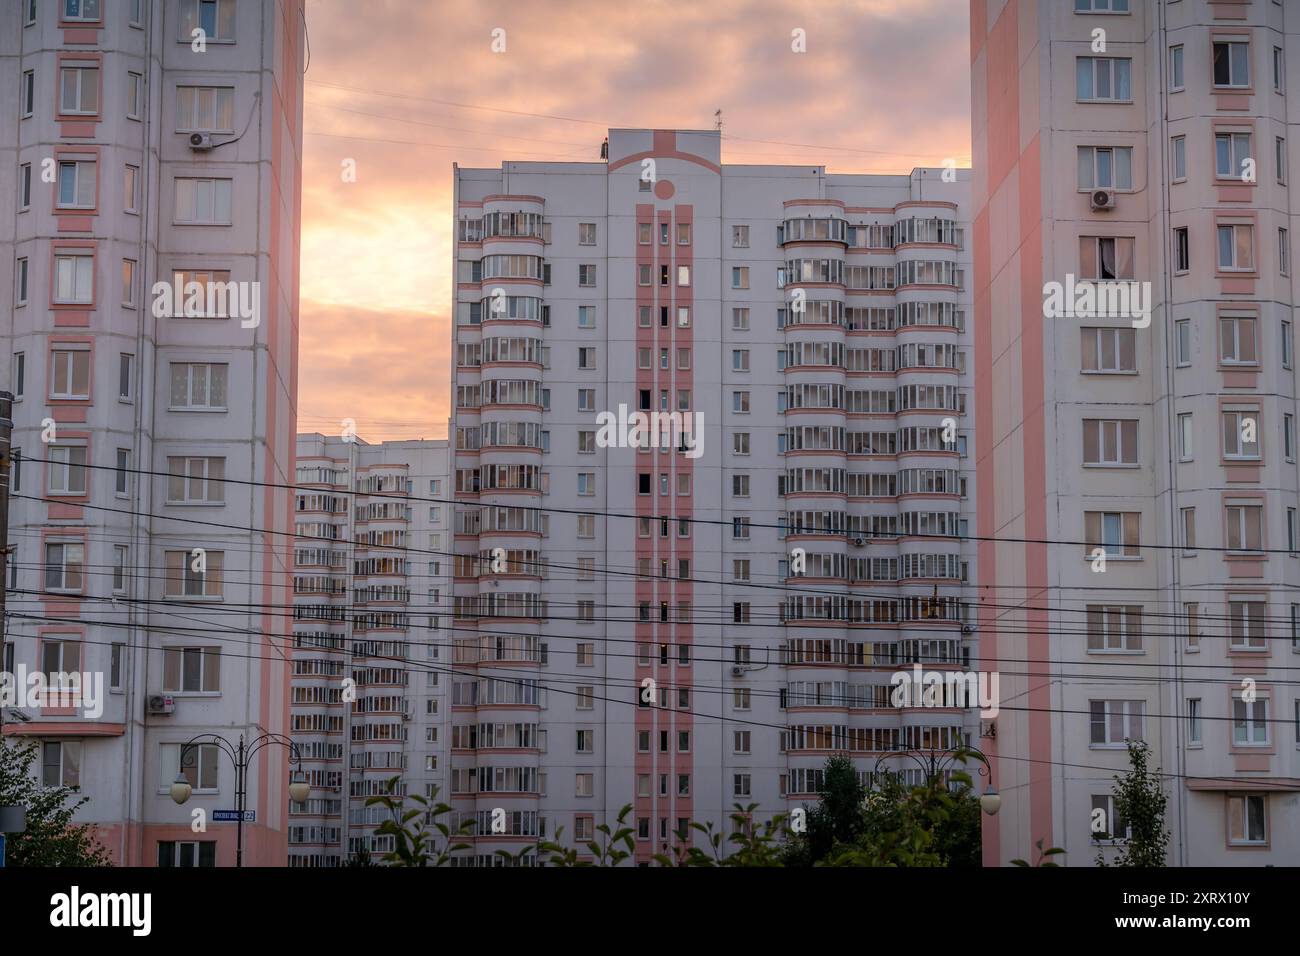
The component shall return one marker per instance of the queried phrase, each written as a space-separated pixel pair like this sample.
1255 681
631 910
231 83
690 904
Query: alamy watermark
1098 299
922 688
209 300
624 429
81 689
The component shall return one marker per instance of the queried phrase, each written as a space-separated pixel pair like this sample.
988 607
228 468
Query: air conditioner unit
162 704
859 542
1103 199
200 142
988 729
968 629
737 670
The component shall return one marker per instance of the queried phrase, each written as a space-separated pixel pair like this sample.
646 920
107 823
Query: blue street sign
232 816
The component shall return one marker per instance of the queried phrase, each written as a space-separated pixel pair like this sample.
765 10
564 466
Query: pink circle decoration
664 189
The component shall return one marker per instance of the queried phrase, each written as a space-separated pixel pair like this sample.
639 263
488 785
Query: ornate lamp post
241 754
936 762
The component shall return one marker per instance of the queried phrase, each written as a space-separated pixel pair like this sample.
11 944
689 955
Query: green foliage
755 846
901 825
51 838
416 831
1140 801
616 846
1042 856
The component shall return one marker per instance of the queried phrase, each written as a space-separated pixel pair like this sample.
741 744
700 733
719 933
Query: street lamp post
934 762
241 755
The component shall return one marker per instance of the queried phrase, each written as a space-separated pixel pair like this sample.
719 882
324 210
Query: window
20 282
587 276
205 109
1231 150
1183 343
740 360
1288 436
134 88
120 564
1185 443
740 402
683 275
70 374
1114 628
1246 624
586 483
740 443
1114 721
1279 70
583 784
74 278
1241 435
740 277
125 376
198 386
585 697
1105 258
61 763
20 373
1109 350
585 742
663 233
1182 250
1279 158
740 486
1191 616
196 480
1284 260
29 19
683 316
1102 79
216 18
1237 340
1109 442
586 316
587 357
1244 526
199 764
194 573
1114 532
131 189
1247 819
29 93
79 90
192 670
1178 148
740 237
128 283
203 201
81 10
586 399
1101 6
64 566
1231 64
683 233
1176 80
1188 524
1194 721
24 187
122 472
136 16
586 233
1250 722
1105 167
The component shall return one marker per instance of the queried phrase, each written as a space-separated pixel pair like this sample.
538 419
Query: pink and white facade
618 653
143 410
1171 446
371 590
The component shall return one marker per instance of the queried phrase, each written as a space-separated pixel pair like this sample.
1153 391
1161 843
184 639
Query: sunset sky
407 89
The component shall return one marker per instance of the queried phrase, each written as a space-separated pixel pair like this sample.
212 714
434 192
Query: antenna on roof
717 120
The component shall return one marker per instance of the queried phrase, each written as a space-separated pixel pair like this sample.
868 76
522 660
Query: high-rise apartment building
700 622
149 143
372 649
1137 458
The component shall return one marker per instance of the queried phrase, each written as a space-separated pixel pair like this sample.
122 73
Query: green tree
901 825
616 845
415 831
1140 802
51 838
